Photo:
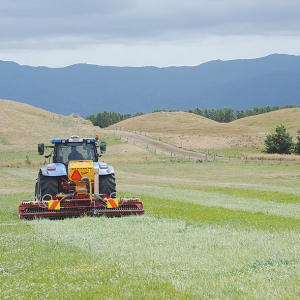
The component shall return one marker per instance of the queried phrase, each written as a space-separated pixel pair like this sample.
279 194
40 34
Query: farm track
160 147
157 146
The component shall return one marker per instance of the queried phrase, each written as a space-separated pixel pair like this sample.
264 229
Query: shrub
297 145
281 142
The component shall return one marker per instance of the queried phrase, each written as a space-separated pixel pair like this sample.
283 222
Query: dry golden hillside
290 118
23 126
192 131
178 123
196 132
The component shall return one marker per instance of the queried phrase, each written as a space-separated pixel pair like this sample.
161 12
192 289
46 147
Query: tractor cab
74 148
64 152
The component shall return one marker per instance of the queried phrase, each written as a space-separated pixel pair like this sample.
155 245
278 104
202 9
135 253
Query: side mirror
102 147
41 149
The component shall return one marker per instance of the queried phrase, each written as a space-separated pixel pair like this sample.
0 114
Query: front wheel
107 184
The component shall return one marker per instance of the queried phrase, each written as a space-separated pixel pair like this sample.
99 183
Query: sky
161 33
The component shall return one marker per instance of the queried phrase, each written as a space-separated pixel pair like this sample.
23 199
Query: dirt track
176 152
157 146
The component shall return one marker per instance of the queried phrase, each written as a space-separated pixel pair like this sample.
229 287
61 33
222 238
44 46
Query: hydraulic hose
68 196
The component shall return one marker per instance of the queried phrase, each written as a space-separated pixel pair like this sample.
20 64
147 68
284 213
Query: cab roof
74 139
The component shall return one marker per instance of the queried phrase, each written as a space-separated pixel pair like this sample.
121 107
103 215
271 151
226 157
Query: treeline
225 115
106 118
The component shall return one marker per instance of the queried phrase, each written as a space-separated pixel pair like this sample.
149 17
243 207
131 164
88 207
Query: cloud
58 26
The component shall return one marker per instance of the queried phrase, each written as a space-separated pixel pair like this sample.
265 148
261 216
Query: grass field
210 231
218 230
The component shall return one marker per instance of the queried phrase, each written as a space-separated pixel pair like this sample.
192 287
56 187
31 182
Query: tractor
76 183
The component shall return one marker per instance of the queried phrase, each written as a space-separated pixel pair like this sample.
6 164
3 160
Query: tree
297 145
281 142
239 114
228 115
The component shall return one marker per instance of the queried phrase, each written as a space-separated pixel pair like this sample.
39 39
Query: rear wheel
46 185
107 185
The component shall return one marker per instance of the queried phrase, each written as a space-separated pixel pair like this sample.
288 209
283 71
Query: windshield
74 151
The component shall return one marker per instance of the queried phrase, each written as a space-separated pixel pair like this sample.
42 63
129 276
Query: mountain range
86 89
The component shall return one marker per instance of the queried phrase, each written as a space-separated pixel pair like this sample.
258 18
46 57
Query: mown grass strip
180 210
205 215
273 196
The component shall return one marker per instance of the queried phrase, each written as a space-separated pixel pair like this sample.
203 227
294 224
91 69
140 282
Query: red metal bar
78 207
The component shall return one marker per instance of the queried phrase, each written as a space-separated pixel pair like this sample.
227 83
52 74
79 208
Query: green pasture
211 231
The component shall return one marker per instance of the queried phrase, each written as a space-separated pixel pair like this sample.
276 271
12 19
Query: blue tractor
50 178
75 183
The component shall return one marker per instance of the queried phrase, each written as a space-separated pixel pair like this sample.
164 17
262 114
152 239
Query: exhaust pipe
96 182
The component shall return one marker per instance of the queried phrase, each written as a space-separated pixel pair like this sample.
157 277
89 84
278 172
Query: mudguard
104 169
54 169
59 169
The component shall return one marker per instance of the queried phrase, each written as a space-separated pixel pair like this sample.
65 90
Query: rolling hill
290 118
24 126
196 132
88 89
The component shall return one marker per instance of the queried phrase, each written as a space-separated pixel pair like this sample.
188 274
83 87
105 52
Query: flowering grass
237 237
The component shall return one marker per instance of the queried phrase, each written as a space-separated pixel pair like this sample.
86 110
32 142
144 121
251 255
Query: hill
88 89
177 123
290 118
196 132
24 126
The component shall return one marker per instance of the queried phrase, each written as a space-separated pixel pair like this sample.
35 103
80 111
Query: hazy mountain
89 89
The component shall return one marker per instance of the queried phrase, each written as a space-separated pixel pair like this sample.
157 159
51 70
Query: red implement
75 207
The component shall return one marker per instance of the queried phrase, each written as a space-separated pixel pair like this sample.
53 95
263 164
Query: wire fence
179 152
